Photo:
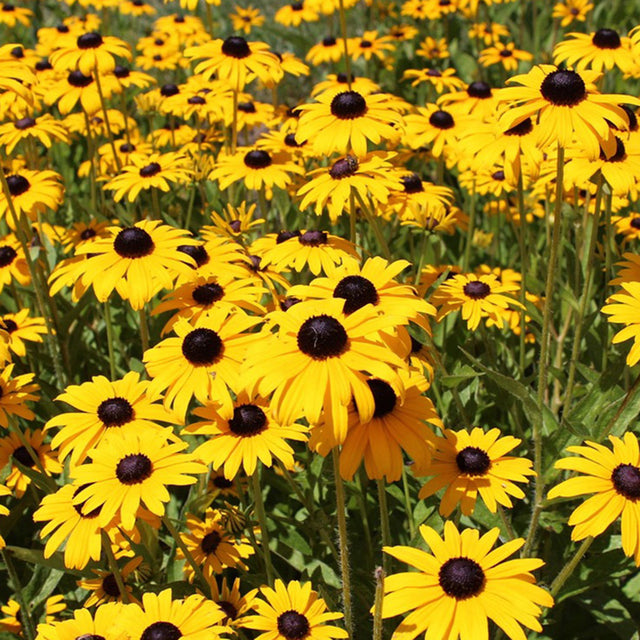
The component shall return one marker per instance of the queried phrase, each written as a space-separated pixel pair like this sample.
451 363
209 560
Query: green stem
107 124
144 329
628 397
155 204
522 242
423 246
407 503
371 217
113 565
567 570
192 199
112 355
384 521
343 32
352 219
377 607
26 620
341 513
470 230
544 354
511 534
264 532
187 554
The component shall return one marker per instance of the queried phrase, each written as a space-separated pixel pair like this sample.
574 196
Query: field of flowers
319 319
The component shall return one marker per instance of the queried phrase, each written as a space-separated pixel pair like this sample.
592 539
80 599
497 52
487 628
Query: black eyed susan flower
468 464
372 178
11 622
129 470
613 475
212 546
370 45
21 328
247 434
162 618
329 49
351 119
136 8
418 197
433 49
293 14
290 612
601 50
478 99
159 171
339 82
15 392
488 32
569 10
45 128
12 449
477 296
79 87
90 53
434 127
246 18
566 105
199 296
505 54
102 624
397 425
257 168
628 226
137 261
32 192
403 32
101 407
317 362
231 601
441 80
623 307
236 221
66 524
203 360
11 15
314 250
236 61
461 585
104 587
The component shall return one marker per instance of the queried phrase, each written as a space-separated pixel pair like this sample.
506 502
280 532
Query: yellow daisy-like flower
203 360
613 475
601 50
624 307
569 10
90 53
441 80
245 19
131 469
433 49
212 546
159 170
257 168
505 54
105 623
478 297
347 120
468 464
329 49
12 449
293 14
102 407
21 328
318 360
136 261
566 105
12 15
45 128
241 437
160 616
628 226
461 585
231 601
31 193
104 587
370 45
292 611
236 61
14 393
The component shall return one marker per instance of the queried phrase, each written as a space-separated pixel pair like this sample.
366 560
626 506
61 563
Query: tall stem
341 512
107 124
144 329
544 353
567 570
343 32
407 503
384 521
522 242
112 355
470 230
113 566
264 532
26 620
377 607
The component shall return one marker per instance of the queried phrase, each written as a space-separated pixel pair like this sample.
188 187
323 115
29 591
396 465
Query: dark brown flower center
236 47
22 455
293 625
221 482
479 89
635 222
247 107
88 233
196 100
17 185
248 420
290 141
115 412
384 397
17 52
9 325
498 175
563 88
619 154
168 90
134 468
285 235
210 542
329 41
207 294
229 609
202 347
606 39
121 71
257 159
626 480
473 461
506 53
161 631
197 252
412 183
322 337
133 242
7 255
150 170
91 40
110 586
348 105
521 129
78 507
476 289
357 292
441 120
313 238
366 44
461 578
